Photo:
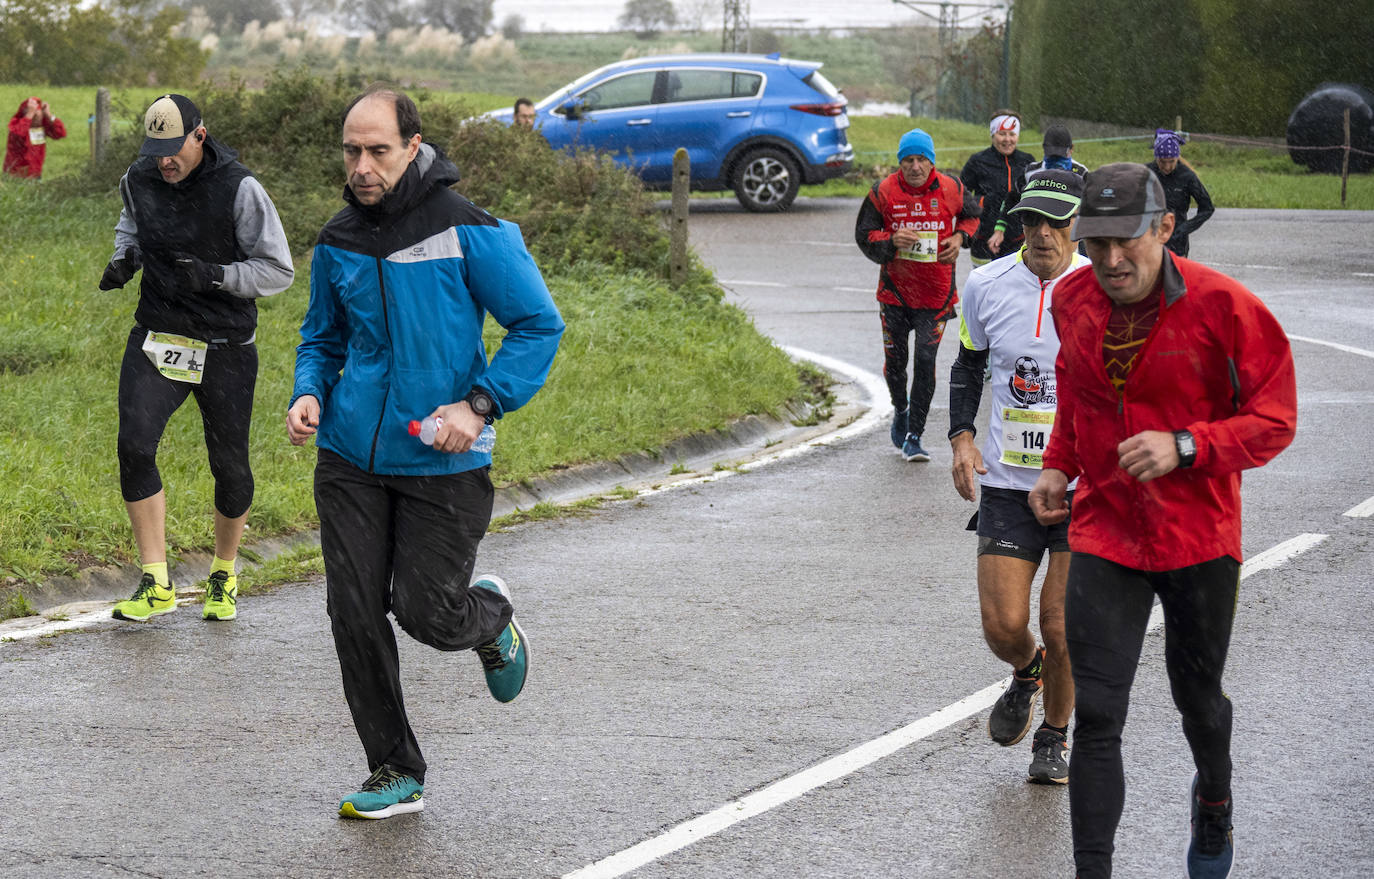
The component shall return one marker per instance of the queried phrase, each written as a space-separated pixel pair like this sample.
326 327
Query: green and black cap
1051 192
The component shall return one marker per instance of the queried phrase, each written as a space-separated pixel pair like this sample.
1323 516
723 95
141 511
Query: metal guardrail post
677 231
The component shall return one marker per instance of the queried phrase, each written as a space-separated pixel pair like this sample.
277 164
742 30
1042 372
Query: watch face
480 403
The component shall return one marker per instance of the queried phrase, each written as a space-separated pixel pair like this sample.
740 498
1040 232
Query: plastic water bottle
486 440
426 429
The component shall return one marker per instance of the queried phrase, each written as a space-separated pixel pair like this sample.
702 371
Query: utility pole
734 36
950 16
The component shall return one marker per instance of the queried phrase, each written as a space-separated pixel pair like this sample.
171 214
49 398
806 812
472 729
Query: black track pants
407 545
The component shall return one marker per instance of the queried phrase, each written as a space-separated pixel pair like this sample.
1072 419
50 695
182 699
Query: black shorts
1006 526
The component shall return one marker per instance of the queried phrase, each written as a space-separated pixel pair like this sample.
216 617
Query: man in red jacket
30 129
1173 378
912 224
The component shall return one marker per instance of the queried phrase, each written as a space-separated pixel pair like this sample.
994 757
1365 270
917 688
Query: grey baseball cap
1119 201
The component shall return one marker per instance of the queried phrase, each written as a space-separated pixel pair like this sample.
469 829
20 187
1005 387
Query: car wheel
766 180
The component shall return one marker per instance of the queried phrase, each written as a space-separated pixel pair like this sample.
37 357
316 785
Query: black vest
194 216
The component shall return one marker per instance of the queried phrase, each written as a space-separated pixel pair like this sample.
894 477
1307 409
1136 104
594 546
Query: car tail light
834 108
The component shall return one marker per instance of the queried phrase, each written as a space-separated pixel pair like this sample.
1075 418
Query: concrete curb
697 455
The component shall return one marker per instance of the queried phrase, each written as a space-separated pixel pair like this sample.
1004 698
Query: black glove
196 275
119 271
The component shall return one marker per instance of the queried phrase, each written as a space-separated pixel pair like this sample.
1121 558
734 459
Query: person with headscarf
1058 146
1181 187
993 174
31 127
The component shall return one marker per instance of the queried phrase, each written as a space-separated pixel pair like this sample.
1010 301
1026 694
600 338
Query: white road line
75 621
1362 509
788 789
875 389
753 283
1242 265
1363 274
1337 345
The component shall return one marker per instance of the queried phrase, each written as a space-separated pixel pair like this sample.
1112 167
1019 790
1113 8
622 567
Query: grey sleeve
268 269
126 230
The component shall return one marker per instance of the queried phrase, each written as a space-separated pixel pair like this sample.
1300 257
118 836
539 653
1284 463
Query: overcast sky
601 15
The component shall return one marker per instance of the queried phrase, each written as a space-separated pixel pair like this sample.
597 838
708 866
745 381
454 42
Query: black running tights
1106 613
899 322
147 400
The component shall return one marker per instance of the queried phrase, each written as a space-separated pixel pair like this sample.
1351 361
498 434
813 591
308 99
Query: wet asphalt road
692 646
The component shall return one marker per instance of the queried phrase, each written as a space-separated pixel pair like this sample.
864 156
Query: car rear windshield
821 84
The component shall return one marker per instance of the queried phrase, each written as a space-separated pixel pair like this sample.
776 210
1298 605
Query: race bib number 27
176 357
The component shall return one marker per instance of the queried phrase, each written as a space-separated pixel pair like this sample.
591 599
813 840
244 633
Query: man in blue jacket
400 283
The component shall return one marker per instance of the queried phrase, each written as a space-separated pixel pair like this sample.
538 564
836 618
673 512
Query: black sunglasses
1031 220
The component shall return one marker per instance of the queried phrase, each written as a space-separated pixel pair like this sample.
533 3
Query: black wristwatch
482 404
1187 448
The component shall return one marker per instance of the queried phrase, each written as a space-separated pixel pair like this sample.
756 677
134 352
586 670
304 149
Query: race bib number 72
926 248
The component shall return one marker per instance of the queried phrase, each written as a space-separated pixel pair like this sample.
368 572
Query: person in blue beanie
912 224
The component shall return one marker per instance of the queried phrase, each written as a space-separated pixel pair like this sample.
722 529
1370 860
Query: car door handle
638 121
737 114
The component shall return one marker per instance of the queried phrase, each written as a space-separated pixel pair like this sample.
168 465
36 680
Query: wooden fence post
100 129
1345 157
677 232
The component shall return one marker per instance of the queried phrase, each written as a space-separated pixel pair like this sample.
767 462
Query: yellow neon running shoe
221 597
149 600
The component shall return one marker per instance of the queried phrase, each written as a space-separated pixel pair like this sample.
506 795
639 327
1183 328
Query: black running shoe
1048 764
1212 849
1011 716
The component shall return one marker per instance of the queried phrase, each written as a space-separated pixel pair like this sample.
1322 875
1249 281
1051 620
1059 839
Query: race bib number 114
1025 434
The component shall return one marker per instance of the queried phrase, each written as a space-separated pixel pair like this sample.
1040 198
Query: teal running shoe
385 793
506 660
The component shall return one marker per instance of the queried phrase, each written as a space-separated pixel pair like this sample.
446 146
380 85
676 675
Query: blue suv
761 125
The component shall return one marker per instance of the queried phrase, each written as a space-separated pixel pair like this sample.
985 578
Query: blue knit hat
916 143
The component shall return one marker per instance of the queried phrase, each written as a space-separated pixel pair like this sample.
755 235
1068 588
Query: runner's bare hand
1149 454
1047 498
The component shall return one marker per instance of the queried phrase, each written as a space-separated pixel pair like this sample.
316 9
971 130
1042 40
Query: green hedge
1232 66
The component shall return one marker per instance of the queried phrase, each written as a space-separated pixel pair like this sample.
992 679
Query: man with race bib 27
912 224
210 243
1006 323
